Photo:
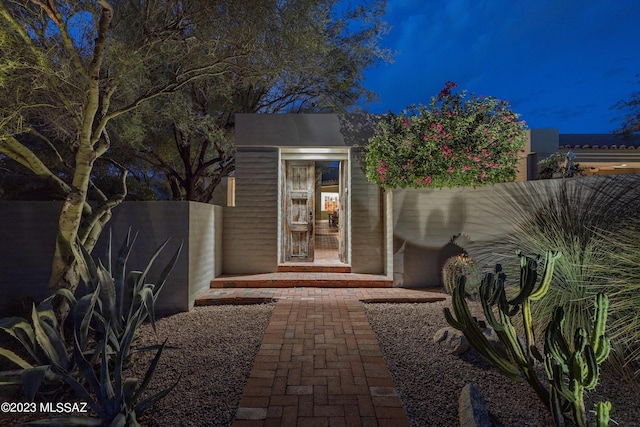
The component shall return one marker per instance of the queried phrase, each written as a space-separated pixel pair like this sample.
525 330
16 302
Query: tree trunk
64 270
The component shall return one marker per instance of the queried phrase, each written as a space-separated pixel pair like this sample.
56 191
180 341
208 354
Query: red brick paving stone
251 413
319 362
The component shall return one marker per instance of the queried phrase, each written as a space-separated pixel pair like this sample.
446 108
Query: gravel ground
216 347
429 379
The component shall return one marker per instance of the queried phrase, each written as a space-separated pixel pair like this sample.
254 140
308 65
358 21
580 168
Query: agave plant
124 299
43 343
116 307
105 323
115 399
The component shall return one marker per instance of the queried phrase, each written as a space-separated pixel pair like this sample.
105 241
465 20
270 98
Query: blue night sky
561 63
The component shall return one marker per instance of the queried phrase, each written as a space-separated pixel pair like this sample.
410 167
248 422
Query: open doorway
327 222
314 214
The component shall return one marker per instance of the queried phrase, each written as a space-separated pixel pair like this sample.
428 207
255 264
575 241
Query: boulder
457 343
472 409
452 339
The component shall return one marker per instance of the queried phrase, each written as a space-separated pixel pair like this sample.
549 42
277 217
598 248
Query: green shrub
561 164
454 141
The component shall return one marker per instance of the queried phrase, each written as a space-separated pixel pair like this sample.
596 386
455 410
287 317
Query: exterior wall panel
27 249
426 220
250 236
367 224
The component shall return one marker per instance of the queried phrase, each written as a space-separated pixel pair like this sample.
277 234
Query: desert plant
569 216
562 164
620 271
44 345
125 297
116 399
460 265
574 370
571 369
105 322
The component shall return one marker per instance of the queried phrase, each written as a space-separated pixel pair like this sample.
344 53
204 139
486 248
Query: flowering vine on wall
457 140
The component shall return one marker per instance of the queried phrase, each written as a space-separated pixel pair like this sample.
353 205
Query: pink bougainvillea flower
450 169
446 91
427 181
466 168
406 123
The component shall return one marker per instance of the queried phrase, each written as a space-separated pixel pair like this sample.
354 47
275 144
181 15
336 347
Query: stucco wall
250 236
425 221
27 247
27 239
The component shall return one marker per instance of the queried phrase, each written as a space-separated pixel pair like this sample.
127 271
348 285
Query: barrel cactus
458 266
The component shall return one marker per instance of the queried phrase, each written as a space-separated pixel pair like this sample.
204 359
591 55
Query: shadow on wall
424 224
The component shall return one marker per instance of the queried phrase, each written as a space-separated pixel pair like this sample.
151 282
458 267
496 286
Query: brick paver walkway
320 363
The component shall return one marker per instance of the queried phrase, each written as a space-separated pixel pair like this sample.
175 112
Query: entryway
314 214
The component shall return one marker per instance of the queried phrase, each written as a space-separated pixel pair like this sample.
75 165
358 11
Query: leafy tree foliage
309 57
82 79
630 123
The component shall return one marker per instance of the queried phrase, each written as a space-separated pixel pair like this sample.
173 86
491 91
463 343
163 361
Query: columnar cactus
570 369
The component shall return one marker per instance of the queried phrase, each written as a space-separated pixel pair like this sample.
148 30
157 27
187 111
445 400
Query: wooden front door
299 208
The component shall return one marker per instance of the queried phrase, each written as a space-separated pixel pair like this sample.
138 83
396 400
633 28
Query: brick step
313 268
303 279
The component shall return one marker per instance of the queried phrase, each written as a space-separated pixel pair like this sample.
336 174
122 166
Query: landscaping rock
472 409
452 339
457 343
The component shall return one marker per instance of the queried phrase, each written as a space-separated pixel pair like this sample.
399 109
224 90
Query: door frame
285 154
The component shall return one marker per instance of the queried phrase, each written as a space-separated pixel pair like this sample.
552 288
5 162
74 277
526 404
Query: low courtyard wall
28 235
425 220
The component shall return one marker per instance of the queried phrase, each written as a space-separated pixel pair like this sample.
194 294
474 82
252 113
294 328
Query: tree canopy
309 57
81 79
630 122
